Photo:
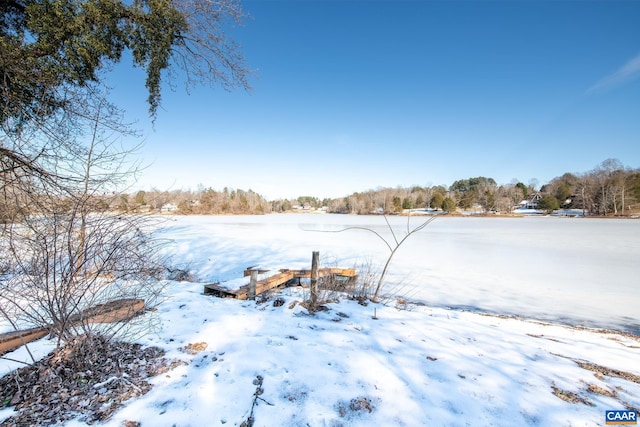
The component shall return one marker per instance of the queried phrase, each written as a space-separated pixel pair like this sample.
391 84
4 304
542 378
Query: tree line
204 201
608 189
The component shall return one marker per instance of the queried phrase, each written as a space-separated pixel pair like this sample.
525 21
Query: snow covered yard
415 366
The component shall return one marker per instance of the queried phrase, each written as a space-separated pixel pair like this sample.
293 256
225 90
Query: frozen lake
578 271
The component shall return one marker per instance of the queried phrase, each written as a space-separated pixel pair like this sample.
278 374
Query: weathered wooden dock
281 277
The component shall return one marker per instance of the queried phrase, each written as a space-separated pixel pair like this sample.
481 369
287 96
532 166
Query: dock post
252 284
315 257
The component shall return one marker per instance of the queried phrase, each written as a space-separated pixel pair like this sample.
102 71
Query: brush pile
89 378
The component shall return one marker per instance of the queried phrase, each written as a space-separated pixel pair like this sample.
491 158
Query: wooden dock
282 277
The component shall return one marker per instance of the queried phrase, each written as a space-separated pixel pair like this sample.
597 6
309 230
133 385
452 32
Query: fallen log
111 312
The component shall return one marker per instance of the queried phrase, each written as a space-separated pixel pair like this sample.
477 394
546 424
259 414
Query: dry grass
194 348
601 371
569 396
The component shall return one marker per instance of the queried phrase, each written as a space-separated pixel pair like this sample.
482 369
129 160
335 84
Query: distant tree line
204 201
610 189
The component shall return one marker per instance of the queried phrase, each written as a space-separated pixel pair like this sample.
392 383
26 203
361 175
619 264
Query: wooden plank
12 340
348 272
274 281
113 311
299 273
216 290
247 271
266 284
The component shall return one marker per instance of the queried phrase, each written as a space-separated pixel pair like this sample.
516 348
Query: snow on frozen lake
408 366
578 271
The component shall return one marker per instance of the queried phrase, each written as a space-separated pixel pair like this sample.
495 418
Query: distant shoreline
413 214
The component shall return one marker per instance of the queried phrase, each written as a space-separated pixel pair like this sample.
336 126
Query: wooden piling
252 284
315 257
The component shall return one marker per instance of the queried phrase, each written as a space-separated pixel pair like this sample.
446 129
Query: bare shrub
392 244
65 249
180 274
364 287
56 278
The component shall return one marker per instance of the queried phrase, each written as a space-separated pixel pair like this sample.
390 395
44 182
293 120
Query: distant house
303 207
530 205
169 207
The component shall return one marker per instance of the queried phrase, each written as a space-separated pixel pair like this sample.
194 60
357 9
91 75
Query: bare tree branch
393 249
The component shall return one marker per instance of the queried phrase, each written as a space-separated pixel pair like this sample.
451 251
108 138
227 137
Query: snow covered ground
397 365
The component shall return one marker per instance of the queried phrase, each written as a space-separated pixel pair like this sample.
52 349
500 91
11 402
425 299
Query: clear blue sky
353 95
